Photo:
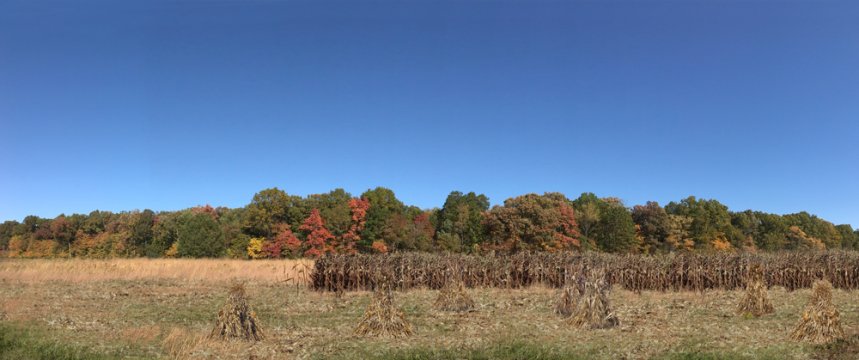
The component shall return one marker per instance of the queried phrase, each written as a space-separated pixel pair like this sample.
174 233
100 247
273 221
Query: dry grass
192 270
171 317
180 343
145 333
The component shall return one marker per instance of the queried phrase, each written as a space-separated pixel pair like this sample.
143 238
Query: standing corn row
671 272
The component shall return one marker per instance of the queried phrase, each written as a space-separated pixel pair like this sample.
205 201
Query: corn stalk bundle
592 309
570 294
453 296
756 301
236 319
382 318
670 272
820 322
567 301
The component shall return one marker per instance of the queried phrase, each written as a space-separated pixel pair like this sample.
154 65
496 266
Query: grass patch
501 351
757 354
24 344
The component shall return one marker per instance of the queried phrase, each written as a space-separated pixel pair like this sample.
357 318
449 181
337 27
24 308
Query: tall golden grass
196 270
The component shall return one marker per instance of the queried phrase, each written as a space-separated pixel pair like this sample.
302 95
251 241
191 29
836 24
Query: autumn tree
141 230
425 230
349 241
410 231
460 221
270 207
334 209
383 205
816 228
235 240
7 231
653 226
849 239
62 232
711 221
587 207
284 243
96 222
317 237
165 233
532 222
679 233
797 239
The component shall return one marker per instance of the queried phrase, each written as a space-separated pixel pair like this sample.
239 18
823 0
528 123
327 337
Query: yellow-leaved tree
255 248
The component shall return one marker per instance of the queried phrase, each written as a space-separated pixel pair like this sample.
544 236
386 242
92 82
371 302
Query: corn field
671 272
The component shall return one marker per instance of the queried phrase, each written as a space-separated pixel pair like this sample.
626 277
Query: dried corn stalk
382 318
592 310
756 301
236 319
820 323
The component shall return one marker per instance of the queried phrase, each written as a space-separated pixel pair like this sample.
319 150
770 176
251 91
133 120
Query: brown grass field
165 308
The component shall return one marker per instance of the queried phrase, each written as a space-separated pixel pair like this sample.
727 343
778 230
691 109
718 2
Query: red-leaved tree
350 239
285 243
318 238
205 209
568 236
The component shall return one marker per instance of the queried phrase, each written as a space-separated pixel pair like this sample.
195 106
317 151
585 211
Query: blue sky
121 105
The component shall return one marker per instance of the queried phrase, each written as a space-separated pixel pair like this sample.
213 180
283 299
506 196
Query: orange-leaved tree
379 247
350 239
285 243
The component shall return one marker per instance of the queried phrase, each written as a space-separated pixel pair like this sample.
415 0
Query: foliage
464 224
141 232
270 207
284 244
615 231
334 207
379 247
255 248
654 226
461 218
349 241
317 237
172 251
165 232
200 236
533 222
383 205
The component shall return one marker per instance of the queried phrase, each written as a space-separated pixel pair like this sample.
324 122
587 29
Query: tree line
278 225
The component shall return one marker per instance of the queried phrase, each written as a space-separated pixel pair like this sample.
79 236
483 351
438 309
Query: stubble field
165 308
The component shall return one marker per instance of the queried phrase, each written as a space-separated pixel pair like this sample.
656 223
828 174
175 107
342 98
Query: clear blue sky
121 105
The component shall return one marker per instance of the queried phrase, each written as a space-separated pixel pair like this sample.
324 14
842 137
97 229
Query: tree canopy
275 224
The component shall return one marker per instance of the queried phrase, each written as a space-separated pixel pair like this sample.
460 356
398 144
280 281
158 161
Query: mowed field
165 308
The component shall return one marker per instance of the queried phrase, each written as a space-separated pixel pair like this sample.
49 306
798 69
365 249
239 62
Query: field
165 308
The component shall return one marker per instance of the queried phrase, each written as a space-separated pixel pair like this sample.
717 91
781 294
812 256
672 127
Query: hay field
189 270
166 308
